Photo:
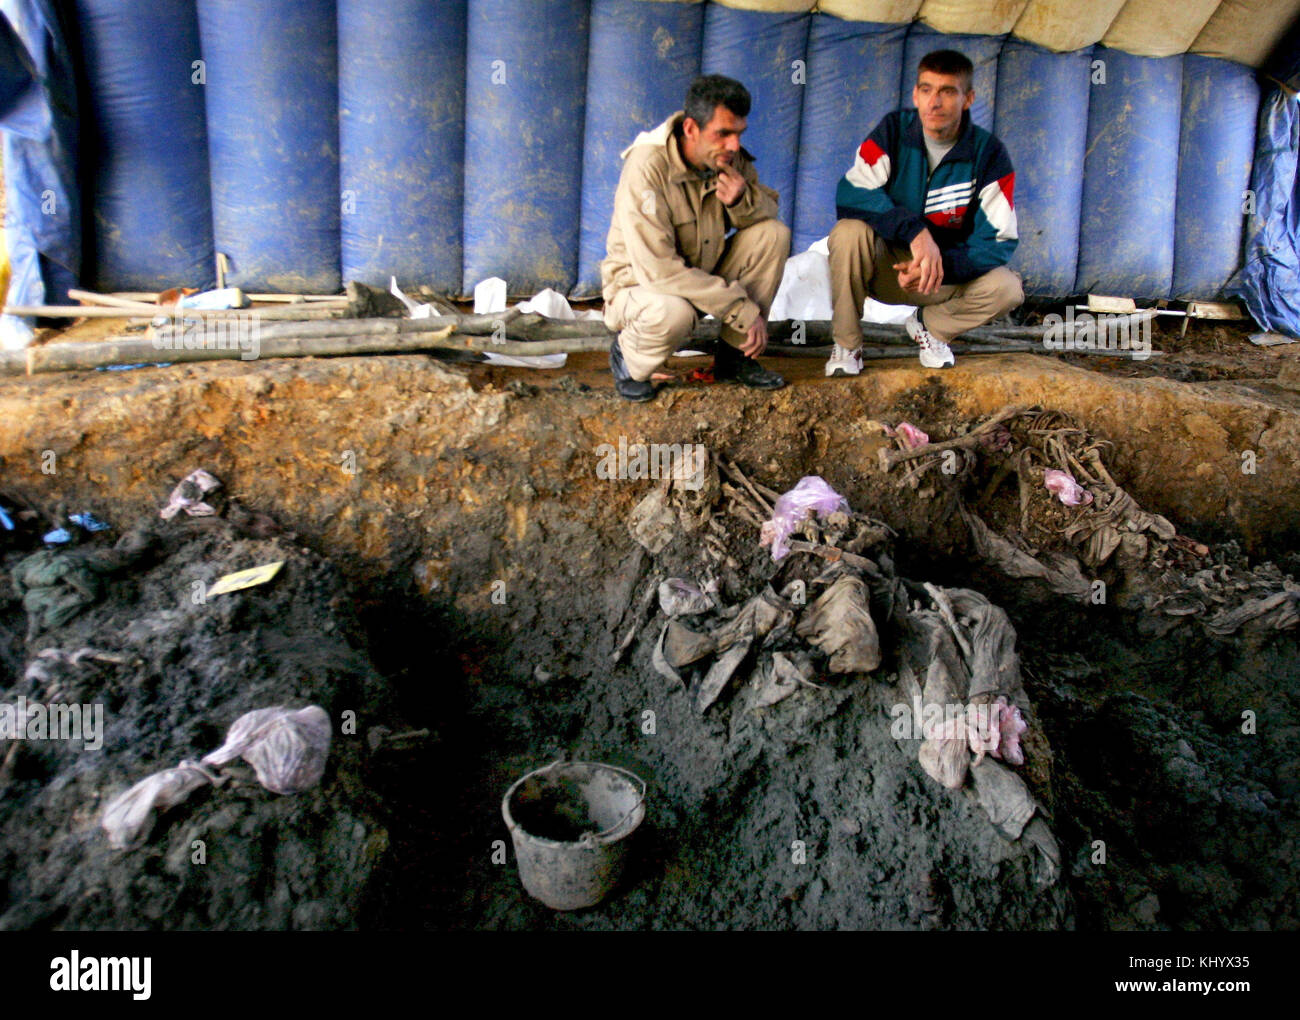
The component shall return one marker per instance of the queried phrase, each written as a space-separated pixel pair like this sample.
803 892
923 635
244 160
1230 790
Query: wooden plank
1214 310
1118 305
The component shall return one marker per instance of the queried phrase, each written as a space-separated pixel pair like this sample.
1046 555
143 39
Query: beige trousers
652 325
862 264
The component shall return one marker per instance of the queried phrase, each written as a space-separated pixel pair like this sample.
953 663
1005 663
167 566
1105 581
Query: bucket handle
590 838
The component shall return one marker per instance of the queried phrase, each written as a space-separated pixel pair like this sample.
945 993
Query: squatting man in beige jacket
669 259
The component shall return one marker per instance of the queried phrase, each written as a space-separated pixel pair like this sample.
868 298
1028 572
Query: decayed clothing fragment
839 624
57 584
778 676
760 619
286 748
1059 571
129 815
189 496
680 597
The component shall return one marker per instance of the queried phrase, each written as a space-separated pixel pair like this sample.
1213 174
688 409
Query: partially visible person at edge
926 217
683 185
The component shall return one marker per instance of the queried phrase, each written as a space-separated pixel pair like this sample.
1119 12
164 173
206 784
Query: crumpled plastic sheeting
286 748
188 496
811 495
129 815
1269 281
1065 488
839 623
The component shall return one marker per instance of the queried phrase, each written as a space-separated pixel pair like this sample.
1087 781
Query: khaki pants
862 264
652 325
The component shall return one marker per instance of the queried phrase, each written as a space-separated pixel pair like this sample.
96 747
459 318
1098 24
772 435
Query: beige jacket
669 229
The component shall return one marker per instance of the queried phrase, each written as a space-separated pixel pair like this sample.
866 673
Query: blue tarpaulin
1269 282
313 141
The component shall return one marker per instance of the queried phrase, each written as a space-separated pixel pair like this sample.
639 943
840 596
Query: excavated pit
472 576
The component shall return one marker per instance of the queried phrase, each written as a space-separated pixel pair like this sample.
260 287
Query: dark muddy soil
1173 808
808 815
234 857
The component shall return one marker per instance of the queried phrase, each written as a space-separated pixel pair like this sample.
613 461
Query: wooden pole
62 357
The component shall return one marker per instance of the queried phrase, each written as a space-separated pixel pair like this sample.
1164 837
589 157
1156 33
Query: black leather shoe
627 387
729 363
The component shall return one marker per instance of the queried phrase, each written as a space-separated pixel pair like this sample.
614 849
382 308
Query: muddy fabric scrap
129 815
55 587
681 645
1004 796
778 676
57 584
720 673
680 597
760 621
993 662
839 624
1277 612
659 660
286 748
1047 862
189 496
945 753
1060 572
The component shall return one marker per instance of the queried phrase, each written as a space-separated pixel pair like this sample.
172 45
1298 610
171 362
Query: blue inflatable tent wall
443 141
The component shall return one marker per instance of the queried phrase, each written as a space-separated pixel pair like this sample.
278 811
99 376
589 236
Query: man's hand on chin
731 184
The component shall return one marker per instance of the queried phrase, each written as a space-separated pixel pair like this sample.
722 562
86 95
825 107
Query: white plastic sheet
805 291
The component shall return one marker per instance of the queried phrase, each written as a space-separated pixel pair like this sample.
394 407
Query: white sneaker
844 361
934 352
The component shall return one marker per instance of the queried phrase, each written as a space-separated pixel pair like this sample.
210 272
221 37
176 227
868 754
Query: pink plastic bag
911 436
1067 490
811 496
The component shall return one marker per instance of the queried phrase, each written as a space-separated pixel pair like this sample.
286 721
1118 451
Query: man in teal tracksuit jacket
927 217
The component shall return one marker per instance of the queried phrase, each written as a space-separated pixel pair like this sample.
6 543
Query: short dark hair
709 91
947 62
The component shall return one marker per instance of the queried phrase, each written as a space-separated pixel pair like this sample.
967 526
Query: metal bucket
569 822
